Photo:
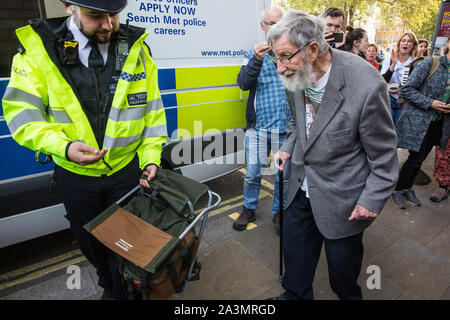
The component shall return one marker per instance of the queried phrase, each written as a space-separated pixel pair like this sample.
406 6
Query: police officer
89 98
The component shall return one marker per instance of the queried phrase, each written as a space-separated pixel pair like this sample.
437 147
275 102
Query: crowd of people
403 88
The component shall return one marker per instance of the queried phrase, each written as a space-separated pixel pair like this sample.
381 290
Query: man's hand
440 106
361 213
83 154
332 39
150 172
260 49
328 38
284 156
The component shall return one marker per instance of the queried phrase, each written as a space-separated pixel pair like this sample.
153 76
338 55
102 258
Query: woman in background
371 55
357 41
422 49
423 124
393 68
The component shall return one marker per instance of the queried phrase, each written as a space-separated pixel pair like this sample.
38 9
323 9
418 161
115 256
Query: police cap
110 6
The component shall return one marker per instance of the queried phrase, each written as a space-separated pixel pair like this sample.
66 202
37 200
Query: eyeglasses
270 23
287 60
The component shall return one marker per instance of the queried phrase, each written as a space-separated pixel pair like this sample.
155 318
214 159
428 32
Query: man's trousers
302 245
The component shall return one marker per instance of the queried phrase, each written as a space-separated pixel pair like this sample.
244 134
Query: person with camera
334 34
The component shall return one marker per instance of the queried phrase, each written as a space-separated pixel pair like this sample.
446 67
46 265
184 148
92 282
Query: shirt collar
83 41
78 35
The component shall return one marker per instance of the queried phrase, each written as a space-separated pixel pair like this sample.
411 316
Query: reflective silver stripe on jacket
14 94
60 116
131 114
157 131
24 117
111 143
30 115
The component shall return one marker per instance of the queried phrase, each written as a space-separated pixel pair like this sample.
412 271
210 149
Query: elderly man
342 145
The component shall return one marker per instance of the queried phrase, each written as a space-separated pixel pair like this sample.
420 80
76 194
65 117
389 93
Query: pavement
410 249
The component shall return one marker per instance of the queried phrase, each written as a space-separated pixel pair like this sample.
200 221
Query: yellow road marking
41 273
265 183
250 225
225 202
262 194
39 265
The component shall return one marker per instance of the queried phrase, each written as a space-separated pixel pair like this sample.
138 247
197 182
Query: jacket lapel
300 115
331 101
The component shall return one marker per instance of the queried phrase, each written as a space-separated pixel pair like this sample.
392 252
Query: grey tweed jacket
417 114
350 156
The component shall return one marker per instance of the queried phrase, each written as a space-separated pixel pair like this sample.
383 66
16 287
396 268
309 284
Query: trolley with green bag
154 234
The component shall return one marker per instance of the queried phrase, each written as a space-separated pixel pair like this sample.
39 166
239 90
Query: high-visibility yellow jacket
44 114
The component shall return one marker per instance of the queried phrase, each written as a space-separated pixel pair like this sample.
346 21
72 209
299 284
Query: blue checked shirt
272 109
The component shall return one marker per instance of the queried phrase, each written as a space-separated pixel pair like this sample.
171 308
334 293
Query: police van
198 47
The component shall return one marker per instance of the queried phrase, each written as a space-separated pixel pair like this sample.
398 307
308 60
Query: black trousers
412 165
84 198
302 244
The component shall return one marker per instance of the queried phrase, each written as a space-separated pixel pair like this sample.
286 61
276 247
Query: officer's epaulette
21 48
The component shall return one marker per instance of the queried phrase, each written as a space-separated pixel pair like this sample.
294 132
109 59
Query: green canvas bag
145 234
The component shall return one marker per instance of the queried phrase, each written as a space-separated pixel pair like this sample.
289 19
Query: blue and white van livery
198 47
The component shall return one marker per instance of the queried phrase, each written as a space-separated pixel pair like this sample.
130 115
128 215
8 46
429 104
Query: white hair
302 28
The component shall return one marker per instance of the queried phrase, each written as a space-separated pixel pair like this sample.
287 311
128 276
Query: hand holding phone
336 37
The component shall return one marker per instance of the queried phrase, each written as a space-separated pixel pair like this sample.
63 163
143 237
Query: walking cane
280 198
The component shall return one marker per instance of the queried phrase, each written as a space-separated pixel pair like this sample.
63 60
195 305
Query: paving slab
408 295
219 230
446 294
377 238
419 226
275 291
415 267
264 245
229 271
388 290
441 243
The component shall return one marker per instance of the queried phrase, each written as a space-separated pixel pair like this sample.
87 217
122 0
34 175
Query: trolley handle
201 214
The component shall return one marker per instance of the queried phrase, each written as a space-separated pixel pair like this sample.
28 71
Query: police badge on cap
110 6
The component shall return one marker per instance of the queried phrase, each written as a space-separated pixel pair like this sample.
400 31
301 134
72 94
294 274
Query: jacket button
306 163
